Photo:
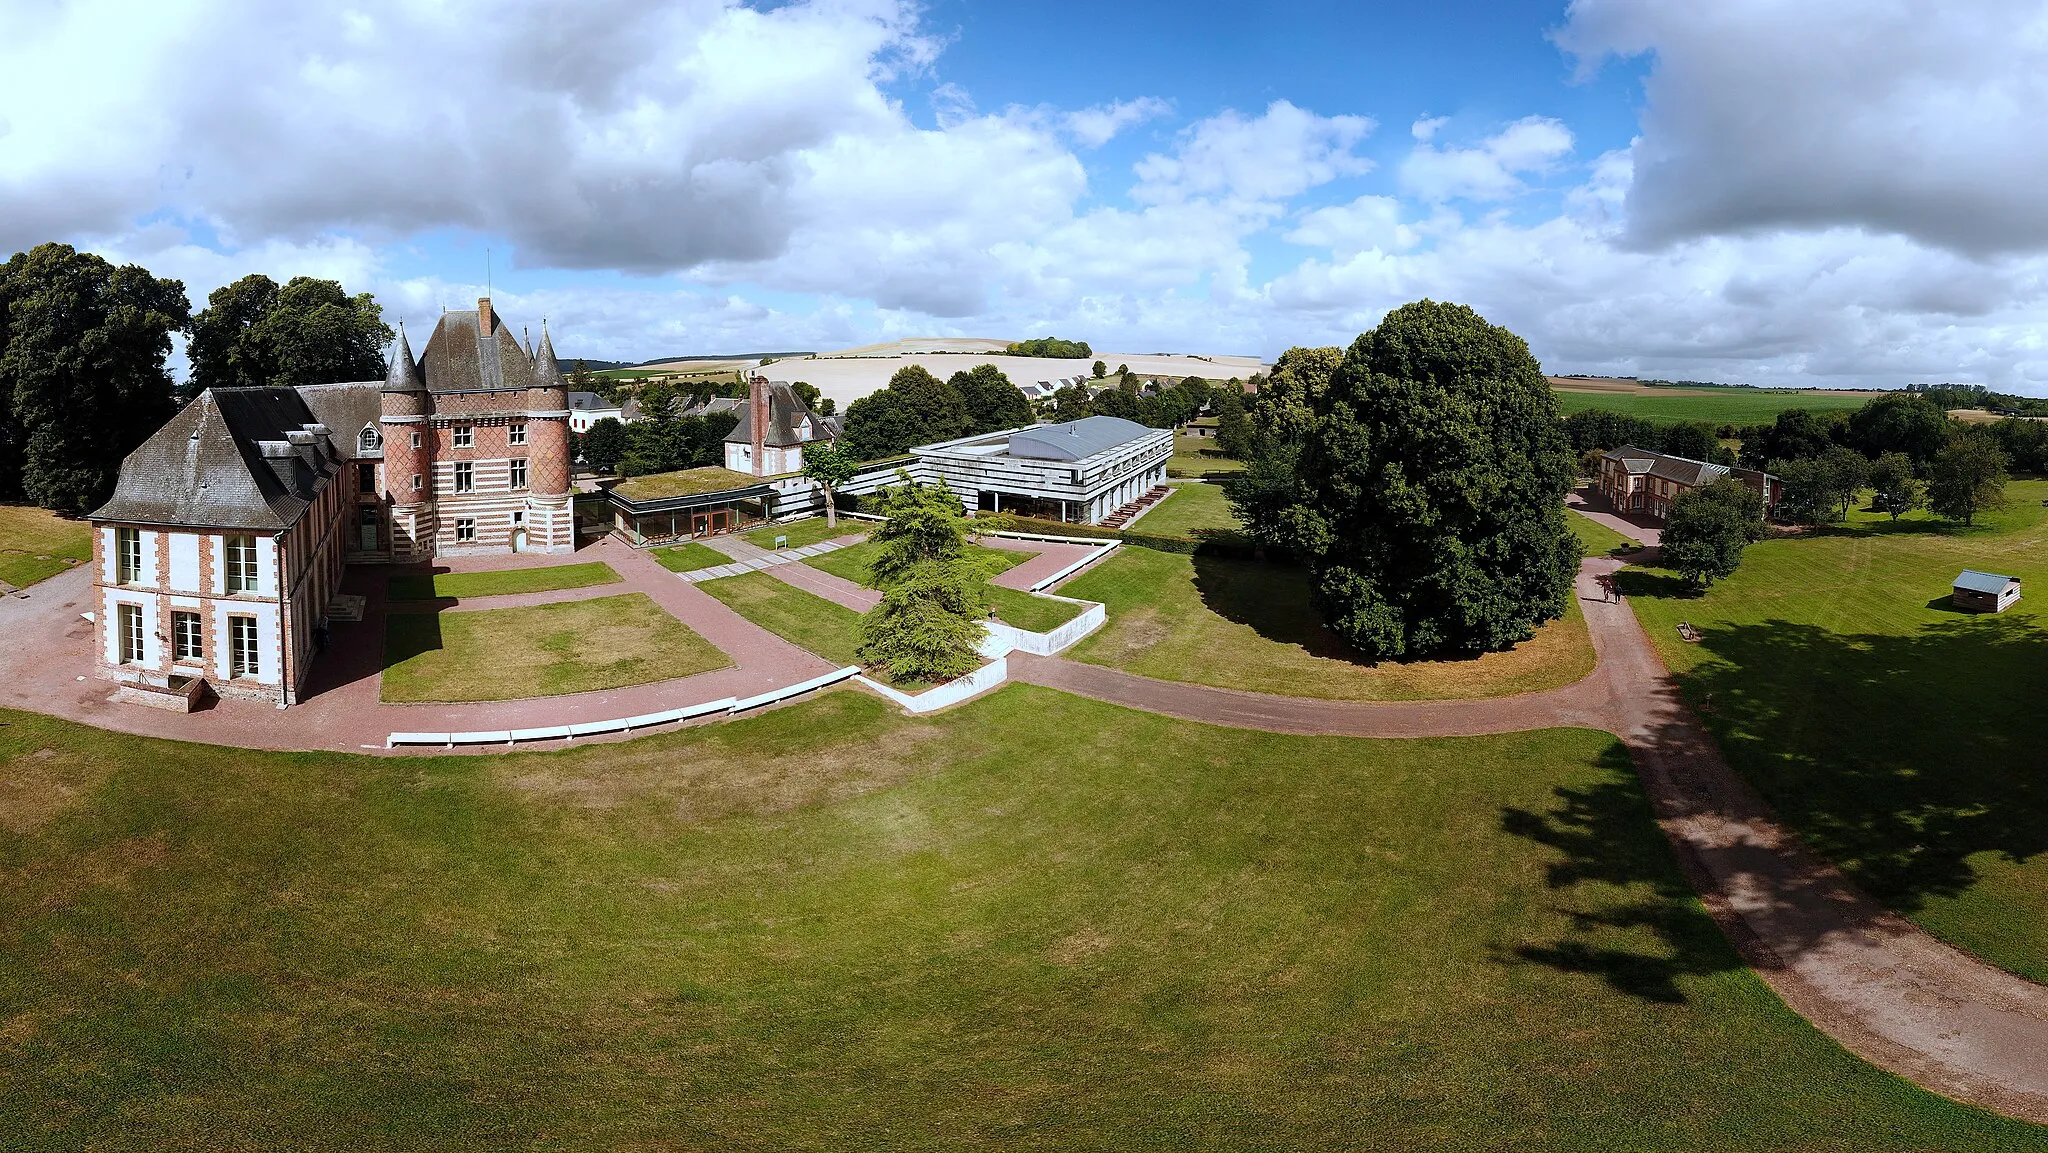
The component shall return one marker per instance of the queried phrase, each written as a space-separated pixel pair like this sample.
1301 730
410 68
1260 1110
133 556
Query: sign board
781 542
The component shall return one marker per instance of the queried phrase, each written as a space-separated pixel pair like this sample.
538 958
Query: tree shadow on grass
1642 582
1272 599
1897 757
1640 942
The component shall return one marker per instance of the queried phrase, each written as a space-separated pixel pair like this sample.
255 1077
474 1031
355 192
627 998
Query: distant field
1729 406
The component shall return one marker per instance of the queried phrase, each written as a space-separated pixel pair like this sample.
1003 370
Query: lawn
804 619
35 543
1722 406
1902 739
504 582
1034 614
1244 624
1597 539
543 651
1197 456
1031 922
689 557
851 563
1195 510
806 532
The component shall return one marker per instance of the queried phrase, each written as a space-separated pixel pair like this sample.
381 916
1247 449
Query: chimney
757 415
485 322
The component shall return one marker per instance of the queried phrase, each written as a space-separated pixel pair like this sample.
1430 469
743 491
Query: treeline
1953 396
1052 347
1167 407
919 408
664 439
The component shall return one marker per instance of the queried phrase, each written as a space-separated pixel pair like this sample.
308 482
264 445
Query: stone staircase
1133 510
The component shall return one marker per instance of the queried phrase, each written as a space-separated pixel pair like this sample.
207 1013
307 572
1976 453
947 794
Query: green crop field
1729 406
1902 738
1031 922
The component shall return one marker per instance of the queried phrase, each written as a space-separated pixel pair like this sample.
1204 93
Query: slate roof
786 412
233 458
404 374
585 401
1984 582
1678 469
1075 440
345 409
461 358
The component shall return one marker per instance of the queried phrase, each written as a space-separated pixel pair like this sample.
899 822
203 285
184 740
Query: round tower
408 452
547 422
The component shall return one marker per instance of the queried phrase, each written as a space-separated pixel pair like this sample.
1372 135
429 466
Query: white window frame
368 440
127 556
464 435
187 625
464 479
516 433
465 529
128 625
239 573
415 438
517 472
245 651
417 483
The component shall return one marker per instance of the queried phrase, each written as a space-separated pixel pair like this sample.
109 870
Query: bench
1688 633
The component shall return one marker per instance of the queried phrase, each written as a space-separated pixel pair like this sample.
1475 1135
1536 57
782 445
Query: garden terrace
539 651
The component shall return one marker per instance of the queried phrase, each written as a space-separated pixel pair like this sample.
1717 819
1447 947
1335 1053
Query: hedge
1230 544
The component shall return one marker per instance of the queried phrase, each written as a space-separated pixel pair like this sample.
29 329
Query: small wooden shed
1984 592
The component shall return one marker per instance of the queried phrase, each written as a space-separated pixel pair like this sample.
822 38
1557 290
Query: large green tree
992 401
1967 477
82 351
1432 484
310 331
1900 422
934 597
1282 413
916 408
1709 528
831 467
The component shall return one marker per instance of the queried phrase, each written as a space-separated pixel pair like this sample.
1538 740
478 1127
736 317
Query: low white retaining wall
952 692
727 705
1003 639
1107 548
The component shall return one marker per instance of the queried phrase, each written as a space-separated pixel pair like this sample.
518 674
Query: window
516 434
415 482
242 659
366 478
185 637
130 617
415 439
465 436
465 476
465 528
518 518
369 441
127 556
241 574
519 472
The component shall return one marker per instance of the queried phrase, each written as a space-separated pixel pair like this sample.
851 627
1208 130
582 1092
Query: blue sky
1818 192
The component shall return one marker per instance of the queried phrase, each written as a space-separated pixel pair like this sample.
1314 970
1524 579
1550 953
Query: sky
1825 193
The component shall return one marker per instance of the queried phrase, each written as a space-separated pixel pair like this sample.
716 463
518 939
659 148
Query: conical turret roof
405 371
547 372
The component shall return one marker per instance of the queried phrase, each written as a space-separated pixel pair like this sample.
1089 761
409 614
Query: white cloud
1366 223
1492 171
1427 127
1920 119
1280 154
1095 127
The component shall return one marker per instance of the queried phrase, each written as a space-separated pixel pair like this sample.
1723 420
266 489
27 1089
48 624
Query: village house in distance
222 547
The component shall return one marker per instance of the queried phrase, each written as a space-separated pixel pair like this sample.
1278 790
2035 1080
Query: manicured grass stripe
1734 406
1030 613
1032 921
851 563
806 532
689 557
1249 625
803 619
1194 511
541 651
35 543
1902 739
503 582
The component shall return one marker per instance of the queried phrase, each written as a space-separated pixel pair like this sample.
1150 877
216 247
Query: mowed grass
804 619
1034 921
1195 510
504 582
806 532
1726 406
1596 539
35 543
851 563
1903 739
1035 614
1198 456
689 557
1244 624
542 651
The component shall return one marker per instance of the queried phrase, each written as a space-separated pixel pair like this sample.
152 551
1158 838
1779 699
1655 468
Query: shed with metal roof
1984 592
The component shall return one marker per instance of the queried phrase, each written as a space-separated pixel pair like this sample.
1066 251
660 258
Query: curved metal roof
1075 440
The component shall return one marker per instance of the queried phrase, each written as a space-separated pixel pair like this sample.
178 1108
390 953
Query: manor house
220 552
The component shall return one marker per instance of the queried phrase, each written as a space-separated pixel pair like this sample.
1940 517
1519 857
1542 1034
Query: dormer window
369 441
